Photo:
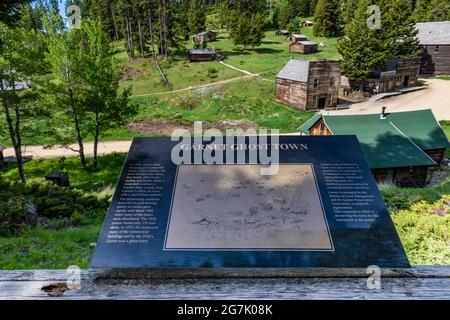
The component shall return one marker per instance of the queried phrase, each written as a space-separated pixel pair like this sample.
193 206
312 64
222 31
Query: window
436 49
316 83
332 81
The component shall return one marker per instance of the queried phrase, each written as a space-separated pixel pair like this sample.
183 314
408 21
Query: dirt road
435 97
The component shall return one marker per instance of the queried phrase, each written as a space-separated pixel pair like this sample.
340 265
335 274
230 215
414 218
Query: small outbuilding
307 23
207 54
309 84
303 47
434 39
281 32
399 147
207 36
295 37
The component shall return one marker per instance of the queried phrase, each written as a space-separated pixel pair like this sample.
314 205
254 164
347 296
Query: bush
53 204
424 230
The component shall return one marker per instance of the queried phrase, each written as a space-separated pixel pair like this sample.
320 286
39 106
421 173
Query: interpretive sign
247 202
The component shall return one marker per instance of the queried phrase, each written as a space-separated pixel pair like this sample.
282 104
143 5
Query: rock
31 216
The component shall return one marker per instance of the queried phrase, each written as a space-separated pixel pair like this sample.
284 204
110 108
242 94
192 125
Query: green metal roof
397 141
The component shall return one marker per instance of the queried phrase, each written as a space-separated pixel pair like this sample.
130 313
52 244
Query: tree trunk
76 121
129 35
13 133
96 135
141 39
116 29
150 25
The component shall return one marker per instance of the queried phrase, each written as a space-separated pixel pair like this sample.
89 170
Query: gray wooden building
434 39
207 36
303 47
309 85
297 37
196 55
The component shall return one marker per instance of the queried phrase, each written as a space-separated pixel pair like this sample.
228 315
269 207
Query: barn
434 39
303 47
207 36
297 37
309 84
399 147
207 54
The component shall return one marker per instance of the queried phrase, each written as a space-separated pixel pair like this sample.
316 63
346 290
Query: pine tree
326 17
196 17
285 15
256 33
362 49
439 10
421 10
398 29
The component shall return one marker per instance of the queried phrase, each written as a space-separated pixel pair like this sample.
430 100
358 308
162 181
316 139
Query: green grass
249 100
43 249
443 77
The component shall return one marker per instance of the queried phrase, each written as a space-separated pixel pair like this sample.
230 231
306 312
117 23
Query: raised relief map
234 207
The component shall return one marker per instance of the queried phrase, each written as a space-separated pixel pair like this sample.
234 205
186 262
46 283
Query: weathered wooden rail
420 282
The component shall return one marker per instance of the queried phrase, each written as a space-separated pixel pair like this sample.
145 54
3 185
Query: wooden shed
303 47
196 55
309 85
281 32
207 36
399 147
296 37
434 39
307 23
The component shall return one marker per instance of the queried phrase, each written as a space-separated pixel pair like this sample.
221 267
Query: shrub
53 203
424 230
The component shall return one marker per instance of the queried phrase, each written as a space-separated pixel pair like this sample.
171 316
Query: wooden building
303 47
295 37
207 36
196 55
434 39
399 147
393 75
309 85
307 23
281 32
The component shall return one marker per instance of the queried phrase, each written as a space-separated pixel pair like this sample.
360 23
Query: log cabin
207 36
309 84
295 37
196 55
399 147
434 39
307 23
303 47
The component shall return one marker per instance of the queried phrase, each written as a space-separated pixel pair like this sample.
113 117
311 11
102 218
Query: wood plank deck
421 282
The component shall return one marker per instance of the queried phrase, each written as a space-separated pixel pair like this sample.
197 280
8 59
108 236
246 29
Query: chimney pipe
383 113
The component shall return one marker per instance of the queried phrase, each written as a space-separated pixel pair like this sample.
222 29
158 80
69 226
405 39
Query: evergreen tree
256 34
285 15
439 10
326 17
348 8
363 49
421 10
398 29
196 17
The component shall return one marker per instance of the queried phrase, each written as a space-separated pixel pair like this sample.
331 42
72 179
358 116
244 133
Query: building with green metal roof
399 147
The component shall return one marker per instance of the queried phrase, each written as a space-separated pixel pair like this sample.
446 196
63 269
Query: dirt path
240 70
106 147
436 97
193 87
